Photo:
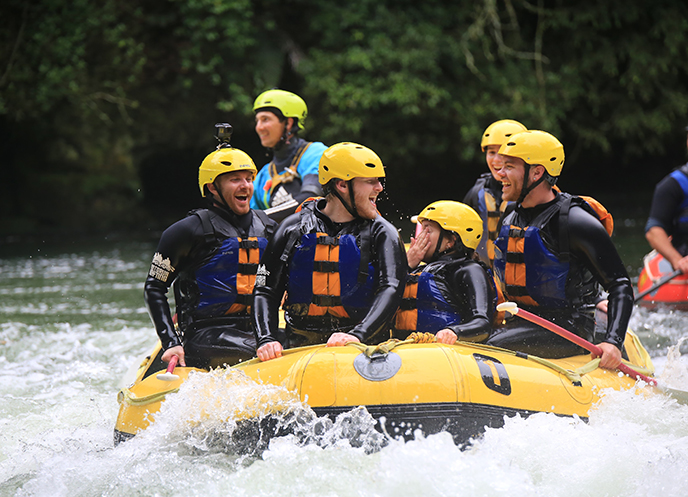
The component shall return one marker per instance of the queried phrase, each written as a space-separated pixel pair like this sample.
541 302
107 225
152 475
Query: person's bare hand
270 350
178 351
446 336
611 356
339 339
417 248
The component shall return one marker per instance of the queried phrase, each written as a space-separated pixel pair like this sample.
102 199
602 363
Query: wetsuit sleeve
473 296
271 282
390 280
665 202
171 257
592 246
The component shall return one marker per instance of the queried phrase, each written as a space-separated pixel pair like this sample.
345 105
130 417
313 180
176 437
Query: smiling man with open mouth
341 264
212 257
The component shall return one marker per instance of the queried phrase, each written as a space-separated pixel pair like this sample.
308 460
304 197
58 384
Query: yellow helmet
221 161
456 217
288 103
500 131
536 148
347 161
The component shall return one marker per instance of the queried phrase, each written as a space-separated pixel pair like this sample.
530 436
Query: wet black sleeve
271 283
665 203
391 277
592 246
473 295
171 257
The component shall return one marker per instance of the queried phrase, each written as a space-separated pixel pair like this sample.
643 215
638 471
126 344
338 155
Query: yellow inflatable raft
460 388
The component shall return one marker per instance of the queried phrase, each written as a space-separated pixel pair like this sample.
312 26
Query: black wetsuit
454 292
371 285
593 260
201 255
669 209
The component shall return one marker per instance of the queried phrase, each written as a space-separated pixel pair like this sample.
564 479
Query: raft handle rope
418 337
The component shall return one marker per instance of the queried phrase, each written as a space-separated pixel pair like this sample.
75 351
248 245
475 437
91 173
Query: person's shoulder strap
298 155
681 176
296 233
508 209
208 228
267 222
564 238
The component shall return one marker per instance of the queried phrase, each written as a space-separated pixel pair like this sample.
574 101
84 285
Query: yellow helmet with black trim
221 161
500 131
288 103
347 161
456 217
536 148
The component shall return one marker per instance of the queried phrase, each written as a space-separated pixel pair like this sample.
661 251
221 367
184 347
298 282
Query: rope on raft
574 376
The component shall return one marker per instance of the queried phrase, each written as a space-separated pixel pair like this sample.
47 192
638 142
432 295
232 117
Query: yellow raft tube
460 388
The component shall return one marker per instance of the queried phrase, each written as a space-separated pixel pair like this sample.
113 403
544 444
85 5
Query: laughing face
511 176
236 188
366 191
493 159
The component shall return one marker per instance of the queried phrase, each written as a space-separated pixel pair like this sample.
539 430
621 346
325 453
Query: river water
72 323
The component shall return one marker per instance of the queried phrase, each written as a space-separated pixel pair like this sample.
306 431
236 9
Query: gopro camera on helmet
223 133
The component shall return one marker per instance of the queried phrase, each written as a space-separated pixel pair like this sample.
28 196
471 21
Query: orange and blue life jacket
428 303
424 306
531 273
328 276
226 281
222 284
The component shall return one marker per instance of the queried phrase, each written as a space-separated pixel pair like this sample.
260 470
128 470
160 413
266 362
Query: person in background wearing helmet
552 254
667 227
292 175
340 262
486 195
452 295
211 256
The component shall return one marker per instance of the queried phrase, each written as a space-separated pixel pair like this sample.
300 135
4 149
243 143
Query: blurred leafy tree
98 97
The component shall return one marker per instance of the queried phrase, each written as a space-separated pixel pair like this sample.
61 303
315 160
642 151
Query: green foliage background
107 107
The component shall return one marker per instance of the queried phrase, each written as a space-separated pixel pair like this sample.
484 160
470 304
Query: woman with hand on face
452 295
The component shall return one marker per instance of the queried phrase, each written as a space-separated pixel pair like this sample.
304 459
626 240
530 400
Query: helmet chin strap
350 208
439 253
222 198
526 188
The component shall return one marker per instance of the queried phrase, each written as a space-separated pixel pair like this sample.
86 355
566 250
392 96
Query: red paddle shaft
172 364
528 316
